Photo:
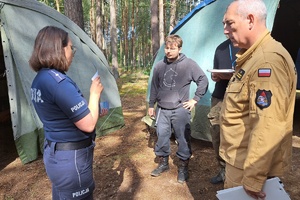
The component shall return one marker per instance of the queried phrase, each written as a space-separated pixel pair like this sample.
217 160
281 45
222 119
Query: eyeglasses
73 49
171 49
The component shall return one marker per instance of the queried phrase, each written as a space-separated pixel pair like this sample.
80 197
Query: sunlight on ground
127 114
116 164
110 143
296 141
135 83
126 185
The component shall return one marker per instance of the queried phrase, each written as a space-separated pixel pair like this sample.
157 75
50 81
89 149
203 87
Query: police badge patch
263 98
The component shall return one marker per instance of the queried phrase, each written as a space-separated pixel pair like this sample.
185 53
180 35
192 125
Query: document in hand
95 75
273 189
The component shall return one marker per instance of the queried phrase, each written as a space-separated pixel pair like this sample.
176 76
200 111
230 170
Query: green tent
202 31
20 22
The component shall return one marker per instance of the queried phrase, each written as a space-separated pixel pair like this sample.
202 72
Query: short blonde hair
174 39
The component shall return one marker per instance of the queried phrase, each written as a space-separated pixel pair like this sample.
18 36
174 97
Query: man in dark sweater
224 59
170 89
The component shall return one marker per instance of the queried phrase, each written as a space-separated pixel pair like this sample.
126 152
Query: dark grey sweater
170 84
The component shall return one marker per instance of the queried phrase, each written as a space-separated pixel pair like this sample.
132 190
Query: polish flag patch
265 72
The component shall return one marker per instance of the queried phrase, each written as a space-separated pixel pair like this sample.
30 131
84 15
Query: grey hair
256 7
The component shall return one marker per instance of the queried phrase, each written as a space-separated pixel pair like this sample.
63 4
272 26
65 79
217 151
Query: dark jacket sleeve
201 81
154 88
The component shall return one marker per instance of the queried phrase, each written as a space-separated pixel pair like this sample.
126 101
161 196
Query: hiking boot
219 178
163 166
183 172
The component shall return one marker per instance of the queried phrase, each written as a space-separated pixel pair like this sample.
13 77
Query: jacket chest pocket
237 98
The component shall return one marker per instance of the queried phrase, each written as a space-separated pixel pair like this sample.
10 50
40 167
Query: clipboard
273 188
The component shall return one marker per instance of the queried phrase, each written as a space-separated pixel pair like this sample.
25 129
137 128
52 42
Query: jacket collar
245 54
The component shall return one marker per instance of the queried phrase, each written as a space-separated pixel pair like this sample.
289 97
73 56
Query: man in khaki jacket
257 116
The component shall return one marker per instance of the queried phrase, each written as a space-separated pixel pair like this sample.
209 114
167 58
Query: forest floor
124 159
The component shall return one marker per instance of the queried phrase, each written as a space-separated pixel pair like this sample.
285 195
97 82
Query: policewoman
68 119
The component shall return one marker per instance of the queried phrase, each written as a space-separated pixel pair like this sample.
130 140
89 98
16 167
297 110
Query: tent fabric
201 5
21 21
202 31
286 29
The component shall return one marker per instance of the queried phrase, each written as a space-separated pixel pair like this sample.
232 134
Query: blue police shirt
59 103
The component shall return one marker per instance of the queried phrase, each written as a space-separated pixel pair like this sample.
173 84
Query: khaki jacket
257 116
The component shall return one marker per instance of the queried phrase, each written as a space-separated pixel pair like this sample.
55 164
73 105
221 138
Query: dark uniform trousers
70 172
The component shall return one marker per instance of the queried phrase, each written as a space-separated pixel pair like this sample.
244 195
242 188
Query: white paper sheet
95 75
273 188
221 70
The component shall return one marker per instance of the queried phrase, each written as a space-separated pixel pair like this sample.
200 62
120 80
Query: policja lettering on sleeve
78 106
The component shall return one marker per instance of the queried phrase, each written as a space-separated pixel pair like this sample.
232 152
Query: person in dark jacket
170 89
224 59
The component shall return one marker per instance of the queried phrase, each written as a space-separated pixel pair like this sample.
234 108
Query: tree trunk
74 11
154 27
126 29
100 40
122 45
172 13
133 13
57 3
113 38
161 23
106 28
92 21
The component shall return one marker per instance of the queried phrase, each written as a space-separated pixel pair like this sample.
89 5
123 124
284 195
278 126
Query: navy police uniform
68 151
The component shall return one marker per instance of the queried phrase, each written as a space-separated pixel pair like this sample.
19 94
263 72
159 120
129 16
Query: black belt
65 146
169 108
